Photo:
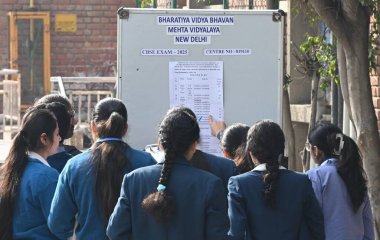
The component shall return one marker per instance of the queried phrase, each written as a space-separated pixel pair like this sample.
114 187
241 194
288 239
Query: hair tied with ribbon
161 187
339 138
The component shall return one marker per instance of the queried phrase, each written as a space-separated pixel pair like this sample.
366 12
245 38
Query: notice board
243 47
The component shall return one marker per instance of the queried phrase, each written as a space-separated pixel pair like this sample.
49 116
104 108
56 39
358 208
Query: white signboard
156 47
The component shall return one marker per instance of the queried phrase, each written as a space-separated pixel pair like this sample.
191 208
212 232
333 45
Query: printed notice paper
198 85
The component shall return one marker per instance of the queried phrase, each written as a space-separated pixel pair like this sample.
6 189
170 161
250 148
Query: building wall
90 51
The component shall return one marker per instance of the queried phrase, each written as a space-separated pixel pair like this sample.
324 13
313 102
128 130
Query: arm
317 186
367 220
236 211
313 214
61 219
216 127
216 212
119 225
45 195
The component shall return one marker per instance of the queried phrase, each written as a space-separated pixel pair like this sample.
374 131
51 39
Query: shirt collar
263 167
330 161
35 155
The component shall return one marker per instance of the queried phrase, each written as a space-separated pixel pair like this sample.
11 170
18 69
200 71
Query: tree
349 20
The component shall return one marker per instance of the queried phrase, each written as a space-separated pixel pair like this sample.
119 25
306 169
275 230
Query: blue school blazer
221 167
200 206
75 200
296 206
32 204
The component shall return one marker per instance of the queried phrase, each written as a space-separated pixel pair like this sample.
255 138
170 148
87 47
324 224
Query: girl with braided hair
340 184
27 182
172 200
271 202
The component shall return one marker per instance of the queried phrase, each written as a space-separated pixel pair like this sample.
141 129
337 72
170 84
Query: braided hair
177 132
266 142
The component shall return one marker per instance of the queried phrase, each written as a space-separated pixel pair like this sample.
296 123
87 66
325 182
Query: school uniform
221 167
200 206
75 201
32 204
59 160
341 222
295 206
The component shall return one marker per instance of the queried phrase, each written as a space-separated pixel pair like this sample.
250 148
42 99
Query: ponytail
266 142
160 204
177 132
270 179
351 171
11 173
34 123
109 162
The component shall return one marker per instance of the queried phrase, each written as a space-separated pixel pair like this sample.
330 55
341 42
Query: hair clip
340 137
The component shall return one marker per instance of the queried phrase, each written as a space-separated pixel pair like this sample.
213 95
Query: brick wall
90 51
375 82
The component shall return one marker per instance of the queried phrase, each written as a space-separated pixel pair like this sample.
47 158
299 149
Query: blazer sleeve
119 225
313 214
216 212
236 211
369 233
46 193
317 186
63 209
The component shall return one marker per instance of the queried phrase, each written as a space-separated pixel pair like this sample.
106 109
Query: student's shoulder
79 161
214 159
138 154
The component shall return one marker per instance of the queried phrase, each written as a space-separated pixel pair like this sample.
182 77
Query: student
233 142
339 184
51 98
90 183
59 159
172 200
219 166
27 181
271 202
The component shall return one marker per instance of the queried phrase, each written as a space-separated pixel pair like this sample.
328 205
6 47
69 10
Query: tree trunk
288 129
364 118
313 116
349 21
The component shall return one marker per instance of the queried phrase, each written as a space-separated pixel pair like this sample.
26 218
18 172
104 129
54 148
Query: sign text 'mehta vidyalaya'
195 20
194 30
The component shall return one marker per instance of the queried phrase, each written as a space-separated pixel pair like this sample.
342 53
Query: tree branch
329 11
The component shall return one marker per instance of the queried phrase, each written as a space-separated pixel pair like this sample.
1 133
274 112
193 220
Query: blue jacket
296 206
222 167
200 206
74 201
32 205
59 160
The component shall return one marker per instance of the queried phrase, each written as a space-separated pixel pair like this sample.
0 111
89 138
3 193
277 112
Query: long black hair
108 157
178 130
266 142
64 132
63 117
234 142
329 139
34 124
